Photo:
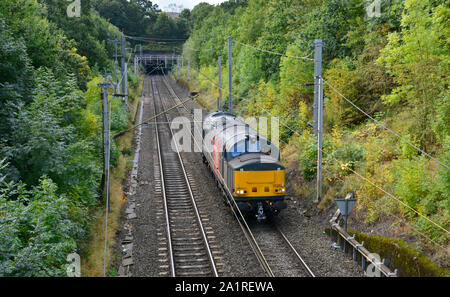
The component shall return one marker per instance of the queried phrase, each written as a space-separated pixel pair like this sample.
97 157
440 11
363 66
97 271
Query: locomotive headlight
280 190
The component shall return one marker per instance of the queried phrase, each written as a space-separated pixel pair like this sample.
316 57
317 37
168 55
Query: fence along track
279 239
187 246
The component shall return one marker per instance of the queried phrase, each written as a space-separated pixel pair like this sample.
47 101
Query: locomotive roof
230 129
255 161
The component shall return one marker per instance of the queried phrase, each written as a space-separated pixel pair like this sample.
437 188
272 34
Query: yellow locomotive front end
259 184
246 165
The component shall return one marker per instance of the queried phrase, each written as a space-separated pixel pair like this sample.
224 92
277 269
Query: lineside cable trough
371 263
127 241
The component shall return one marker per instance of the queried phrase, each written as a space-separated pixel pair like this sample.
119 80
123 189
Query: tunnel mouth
157 62
154 68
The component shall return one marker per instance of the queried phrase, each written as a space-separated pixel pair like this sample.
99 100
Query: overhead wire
391 214
275 53
354 105
384 127
360 176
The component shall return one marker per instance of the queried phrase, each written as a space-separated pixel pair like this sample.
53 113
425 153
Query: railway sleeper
199 266
195 254
187 238
180 204
182 221
194 273
191 260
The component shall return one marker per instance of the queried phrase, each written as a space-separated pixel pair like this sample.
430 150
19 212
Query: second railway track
188 249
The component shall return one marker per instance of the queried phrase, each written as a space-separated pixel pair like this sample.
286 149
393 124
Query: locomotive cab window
248 145
253 145
238 149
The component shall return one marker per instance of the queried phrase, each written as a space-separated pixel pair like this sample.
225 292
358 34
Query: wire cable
391 195
154 39
275 53
395 198
391 214
384 127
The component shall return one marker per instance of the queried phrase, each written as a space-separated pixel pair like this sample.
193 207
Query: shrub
39 229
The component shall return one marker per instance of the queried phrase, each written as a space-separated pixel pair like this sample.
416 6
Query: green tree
134 17
164 27
418 59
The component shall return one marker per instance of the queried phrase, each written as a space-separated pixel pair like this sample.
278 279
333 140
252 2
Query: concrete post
189 69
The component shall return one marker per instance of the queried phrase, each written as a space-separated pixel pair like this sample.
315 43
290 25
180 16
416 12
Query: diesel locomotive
246 165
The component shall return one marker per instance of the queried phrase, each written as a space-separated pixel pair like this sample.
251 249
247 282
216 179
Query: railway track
274 251
281 256
187 247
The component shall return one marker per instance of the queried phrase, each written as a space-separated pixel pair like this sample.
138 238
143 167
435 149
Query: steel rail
253 244
163 187
246 229
191 195
247 232
286 240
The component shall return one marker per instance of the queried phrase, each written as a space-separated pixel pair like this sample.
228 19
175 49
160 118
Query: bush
39 229
427 192
307 155
119 115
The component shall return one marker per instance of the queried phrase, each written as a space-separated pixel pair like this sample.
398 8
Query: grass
92 258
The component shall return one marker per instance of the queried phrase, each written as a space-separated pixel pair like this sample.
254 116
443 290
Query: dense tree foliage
142 18
89 30
51 142
394 66
133 17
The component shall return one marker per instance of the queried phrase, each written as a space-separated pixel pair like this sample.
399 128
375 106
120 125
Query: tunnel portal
154 62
